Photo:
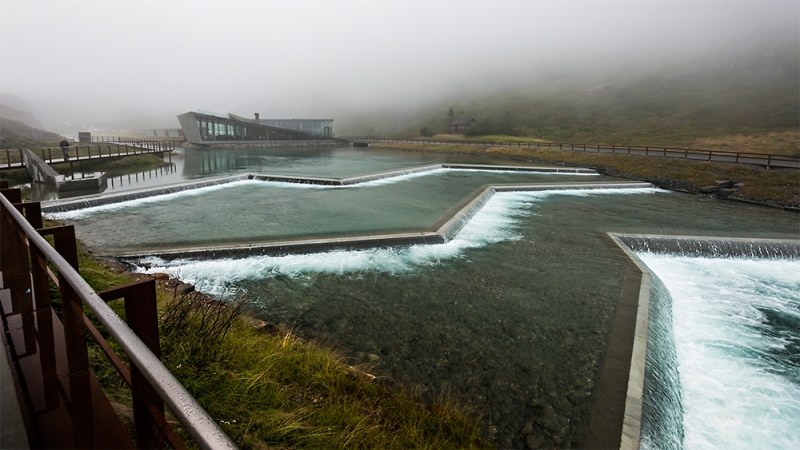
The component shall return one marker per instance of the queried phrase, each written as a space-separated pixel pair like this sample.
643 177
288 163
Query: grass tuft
277 390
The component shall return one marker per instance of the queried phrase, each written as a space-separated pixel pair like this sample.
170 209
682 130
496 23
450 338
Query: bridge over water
14 158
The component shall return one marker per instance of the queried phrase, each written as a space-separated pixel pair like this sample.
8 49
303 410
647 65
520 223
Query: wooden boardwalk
12 159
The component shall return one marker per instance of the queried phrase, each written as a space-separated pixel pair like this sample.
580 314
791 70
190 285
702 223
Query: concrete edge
389 174
570 187
713 246
459 218
442 231
299 246
632 419
563 170
38 169
98 200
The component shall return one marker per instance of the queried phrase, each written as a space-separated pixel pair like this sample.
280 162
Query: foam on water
85 212
495 222
736 325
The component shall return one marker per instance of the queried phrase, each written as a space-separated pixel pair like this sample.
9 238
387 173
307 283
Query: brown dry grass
776 143
778 187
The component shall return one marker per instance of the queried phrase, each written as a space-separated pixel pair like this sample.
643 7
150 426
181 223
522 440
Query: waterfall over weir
93 201
662 409
722 365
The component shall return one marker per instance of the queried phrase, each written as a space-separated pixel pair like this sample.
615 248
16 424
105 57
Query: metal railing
766 159
25 256
153 144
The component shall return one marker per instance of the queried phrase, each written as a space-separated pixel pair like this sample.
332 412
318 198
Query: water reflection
130 179
116 182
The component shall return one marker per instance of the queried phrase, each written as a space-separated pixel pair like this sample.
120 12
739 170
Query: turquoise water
253 210
188 164
512 315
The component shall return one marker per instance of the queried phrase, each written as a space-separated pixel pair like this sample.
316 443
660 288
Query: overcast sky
96 61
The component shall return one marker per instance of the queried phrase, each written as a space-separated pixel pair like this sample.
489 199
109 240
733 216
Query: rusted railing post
75 341
141 315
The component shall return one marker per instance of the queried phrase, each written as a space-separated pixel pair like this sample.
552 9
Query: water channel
511 316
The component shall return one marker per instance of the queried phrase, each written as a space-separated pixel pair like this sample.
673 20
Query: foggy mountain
394 67
752 89
17 135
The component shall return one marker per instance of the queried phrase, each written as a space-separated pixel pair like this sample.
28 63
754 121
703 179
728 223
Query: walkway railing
768 160
29 266
152 144
13 158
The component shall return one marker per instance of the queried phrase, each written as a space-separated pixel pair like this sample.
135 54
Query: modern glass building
203 127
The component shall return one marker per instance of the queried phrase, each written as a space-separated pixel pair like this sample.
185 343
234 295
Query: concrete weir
97 200
443 230
616 421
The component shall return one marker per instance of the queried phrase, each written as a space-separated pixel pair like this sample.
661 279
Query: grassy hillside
15 134
717 102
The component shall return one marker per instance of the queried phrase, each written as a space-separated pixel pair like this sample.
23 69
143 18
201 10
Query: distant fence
768 160
14 159
135 140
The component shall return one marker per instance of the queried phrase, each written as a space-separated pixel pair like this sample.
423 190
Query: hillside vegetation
15 134
737 101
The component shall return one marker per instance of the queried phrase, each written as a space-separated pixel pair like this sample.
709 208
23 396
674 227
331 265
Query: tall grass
275 390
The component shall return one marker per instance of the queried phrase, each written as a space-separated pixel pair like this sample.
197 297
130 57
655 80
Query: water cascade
662 409
735 331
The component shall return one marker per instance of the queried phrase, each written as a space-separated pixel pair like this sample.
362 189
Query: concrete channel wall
39 170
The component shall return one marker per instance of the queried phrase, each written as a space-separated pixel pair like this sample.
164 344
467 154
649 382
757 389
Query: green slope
743 92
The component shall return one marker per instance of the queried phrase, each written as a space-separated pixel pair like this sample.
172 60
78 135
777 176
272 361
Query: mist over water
736 325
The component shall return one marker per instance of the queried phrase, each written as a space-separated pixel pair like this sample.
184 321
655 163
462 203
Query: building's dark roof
462 121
